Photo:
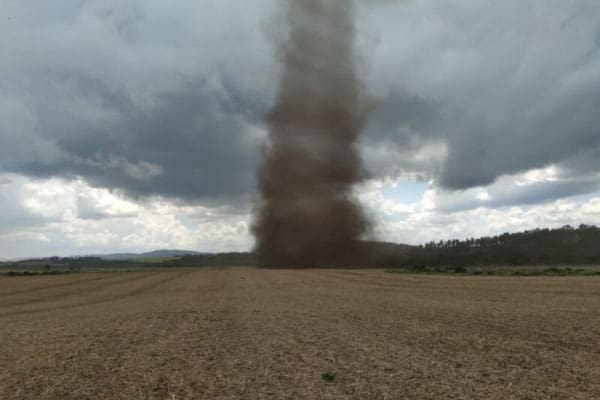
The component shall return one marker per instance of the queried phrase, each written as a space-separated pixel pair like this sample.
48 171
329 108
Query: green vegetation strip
496 271
38 273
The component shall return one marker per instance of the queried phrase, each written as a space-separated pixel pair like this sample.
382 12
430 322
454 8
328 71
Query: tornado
306 216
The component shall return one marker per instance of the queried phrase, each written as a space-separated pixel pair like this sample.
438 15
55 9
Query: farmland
315 334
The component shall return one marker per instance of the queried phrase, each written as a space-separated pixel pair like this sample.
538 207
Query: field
317 334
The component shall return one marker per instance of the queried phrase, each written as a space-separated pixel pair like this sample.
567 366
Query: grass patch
39 273
496 271
328 377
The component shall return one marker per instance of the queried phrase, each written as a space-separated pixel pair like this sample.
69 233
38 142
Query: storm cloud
171 100
94 91
506 87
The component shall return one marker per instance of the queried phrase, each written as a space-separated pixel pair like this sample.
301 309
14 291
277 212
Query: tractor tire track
57 285
103 300
113 280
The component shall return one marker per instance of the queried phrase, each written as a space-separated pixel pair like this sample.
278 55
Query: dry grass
255 334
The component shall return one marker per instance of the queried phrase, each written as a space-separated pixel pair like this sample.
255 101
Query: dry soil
263 334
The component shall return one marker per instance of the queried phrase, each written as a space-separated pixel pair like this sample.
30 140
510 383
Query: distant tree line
552 247
563 246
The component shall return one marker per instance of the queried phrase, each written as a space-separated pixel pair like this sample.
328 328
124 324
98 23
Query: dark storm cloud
401 124
402 116
511 87
194 143
118 95
171 100
515 140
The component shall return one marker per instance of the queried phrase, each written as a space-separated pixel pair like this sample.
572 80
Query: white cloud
371 195
428 223
65 217
548 174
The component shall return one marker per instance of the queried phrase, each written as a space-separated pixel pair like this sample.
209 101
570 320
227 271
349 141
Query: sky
132 126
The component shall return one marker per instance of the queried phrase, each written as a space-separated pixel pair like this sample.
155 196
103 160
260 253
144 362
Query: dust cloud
306 216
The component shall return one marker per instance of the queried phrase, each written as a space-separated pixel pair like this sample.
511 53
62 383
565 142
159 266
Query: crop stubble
263 334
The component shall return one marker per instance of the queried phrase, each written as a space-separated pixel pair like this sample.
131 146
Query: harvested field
261 334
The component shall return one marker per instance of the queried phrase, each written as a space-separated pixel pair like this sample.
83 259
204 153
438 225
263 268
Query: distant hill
156 254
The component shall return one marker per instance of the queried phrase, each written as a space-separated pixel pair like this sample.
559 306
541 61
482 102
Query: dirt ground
258 334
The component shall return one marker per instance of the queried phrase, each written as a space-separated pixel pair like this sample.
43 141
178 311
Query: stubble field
262 334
